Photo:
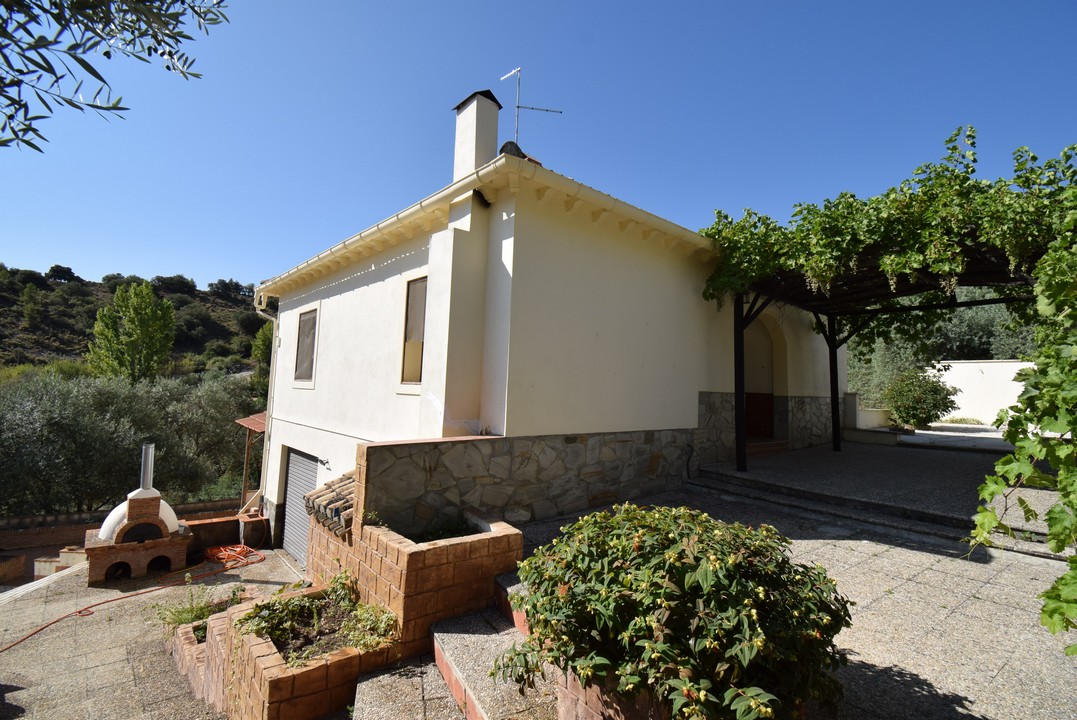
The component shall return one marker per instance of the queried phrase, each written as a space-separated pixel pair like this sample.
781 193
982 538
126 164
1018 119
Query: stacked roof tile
333 504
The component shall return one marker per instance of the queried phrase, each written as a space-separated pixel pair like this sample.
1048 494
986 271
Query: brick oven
140 535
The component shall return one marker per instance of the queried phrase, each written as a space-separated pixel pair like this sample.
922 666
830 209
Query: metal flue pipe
147 467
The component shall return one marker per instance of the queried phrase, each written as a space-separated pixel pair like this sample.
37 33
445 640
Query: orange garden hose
230 557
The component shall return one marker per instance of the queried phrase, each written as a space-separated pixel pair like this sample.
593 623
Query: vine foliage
941 229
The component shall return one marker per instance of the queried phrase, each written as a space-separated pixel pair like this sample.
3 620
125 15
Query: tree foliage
230 288
133 336
931 225
262 354
46 47
70 444
62 274
174 284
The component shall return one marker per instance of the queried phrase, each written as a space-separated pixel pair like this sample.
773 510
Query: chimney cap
485 93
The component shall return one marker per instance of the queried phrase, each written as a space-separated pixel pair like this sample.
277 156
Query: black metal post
740 422
835 409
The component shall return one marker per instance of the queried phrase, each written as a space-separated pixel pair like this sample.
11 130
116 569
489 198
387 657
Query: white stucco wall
539 321
497 316
608 330
986 386
798 365
356 394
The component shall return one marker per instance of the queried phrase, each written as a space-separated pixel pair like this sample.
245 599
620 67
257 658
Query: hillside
50 316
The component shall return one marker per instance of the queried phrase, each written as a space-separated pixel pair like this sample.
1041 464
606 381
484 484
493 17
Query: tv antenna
506 76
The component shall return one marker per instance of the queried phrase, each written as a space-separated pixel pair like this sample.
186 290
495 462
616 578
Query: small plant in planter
712 618
303 627
197 608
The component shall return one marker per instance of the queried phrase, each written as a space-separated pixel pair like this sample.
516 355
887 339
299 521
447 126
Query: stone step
757 448
465 649
412 690
852 508
880 515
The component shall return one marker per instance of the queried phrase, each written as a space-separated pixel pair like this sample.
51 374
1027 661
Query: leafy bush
713 618
919 398
249 322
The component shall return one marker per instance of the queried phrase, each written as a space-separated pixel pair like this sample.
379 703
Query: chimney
476 133
147 467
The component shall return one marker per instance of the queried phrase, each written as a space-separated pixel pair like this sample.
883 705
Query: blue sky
316 120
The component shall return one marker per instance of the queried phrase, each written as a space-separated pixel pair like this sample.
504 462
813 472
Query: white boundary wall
986 386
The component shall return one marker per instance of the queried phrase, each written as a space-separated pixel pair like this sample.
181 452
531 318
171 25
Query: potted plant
711 620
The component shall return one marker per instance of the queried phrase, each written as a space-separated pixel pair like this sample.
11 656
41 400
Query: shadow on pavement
10 710
893 693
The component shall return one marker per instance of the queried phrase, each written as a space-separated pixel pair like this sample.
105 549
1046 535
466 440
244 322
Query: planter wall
244 676
575 702
420 582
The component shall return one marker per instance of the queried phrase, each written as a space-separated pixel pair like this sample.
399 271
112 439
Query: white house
516 301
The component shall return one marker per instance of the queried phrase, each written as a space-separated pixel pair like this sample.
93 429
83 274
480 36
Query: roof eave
390 231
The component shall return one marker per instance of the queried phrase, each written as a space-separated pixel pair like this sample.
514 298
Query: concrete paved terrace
936 633
930 481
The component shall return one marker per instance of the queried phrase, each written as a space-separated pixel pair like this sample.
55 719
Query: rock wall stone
802 421
714 437
809 421
416 486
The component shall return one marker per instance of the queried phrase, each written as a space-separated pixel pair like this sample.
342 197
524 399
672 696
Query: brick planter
575 702
189 656
244 676
421 583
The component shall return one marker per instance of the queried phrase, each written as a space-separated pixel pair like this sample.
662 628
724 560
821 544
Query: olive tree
46 47
74 444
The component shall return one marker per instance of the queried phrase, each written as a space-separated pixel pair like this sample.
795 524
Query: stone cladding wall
802 421
809 421
420 582
714 438
414 486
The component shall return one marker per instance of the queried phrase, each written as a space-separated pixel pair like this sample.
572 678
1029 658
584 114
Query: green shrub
196 608
713 618
919 398
305 626
959 420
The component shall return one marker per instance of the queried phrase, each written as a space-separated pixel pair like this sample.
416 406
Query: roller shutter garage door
302 476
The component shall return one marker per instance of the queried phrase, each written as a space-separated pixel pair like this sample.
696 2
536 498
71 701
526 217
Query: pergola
859 296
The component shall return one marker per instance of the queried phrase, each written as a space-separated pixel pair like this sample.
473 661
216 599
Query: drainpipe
269 413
